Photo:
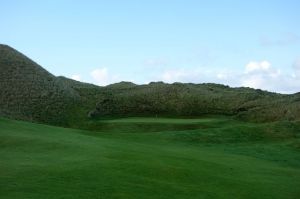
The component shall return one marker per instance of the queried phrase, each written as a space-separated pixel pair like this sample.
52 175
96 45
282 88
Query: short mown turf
150 158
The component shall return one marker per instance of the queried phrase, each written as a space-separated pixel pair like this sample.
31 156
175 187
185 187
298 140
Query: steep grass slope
29 92
217 158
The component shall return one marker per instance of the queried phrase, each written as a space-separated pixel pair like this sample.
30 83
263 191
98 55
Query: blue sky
238 43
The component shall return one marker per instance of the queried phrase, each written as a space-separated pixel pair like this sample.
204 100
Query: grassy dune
151 158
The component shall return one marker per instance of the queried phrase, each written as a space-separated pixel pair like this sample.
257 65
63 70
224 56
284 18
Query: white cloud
102 77
258 75
257 66
263 76
221 76
100 74
255 81
76 77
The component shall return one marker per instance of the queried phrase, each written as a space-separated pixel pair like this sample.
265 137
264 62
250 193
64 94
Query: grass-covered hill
29 92
178 99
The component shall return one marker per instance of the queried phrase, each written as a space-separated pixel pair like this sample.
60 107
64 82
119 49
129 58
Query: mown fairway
151 158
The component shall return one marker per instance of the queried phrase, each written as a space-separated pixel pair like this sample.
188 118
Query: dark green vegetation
179 99
148 158
29 92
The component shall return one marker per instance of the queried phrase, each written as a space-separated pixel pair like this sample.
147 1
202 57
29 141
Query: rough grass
29 92
217 158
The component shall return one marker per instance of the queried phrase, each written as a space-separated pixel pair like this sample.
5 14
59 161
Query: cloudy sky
238 43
